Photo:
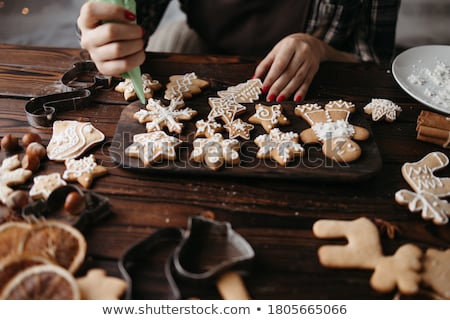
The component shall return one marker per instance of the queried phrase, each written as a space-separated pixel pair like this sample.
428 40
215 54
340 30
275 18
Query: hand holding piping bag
135 73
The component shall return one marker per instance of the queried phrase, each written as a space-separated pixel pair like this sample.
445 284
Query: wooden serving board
313 165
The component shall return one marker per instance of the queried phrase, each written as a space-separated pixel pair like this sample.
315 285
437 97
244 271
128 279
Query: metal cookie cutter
96 207
40 111
213 251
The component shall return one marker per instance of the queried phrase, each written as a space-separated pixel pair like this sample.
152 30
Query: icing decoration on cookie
239 128
70 139
364 251
11 175
246 92
207 128
83 170
226 108
45 184
184 86
150 86
153 147
158 116
428 189
96 285
269 116
383 109
330 126
216 151
279 146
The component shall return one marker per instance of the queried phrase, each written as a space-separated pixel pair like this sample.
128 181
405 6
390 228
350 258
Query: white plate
416 61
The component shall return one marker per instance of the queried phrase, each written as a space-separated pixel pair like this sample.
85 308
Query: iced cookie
383 109
207 128
83 170
279 146
331 128
157 116
269 116
11 175
45 184
153 147
226 108
70 139
246 92
239 128
216 151
184 86
150 86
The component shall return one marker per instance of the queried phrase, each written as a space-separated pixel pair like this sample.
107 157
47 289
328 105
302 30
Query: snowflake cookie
279 146
158 116
216 151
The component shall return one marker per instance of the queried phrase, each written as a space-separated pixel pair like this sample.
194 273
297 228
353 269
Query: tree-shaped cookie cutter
428 188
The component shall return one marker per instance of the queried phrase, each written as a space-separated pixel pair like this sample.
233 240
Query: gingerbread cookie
226 108
83 170
428 188
149 85
207 128
153 147
158 116
364 251
279 146
436 271
45 184
239 128
11 175
184 86
96 285
246 92
269 116
330 126
216 151
383 109
70 139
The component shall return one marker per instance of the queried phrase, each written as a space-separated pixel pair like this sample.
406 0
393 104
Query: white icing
336 129
76 168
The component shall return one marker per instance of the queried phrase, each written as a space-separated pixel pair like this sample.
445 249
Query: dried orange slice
12 265
56 241
42 282
11 234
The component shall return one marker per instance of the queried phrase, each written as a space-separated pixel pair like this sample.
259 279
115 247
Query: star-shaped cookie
269 116
83 170
225 108
153 147
279 146
239 128
207 128
149 85
45 184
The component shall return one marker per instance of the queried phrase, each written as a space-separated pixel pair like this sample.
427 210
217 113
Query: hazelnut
29 138
36 149
17 200
74 203
31 162
9 143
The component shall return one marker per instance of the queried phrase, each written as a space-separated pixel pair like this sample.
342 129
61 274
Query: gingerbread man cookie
269 116
279 146
364 251
70 139
330 126
83 170
428 189
158 116
216 151
184 86
11 175
153 147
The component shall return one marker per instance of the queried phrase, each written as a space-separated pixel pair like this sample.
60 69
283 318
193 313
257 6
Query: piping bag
135 73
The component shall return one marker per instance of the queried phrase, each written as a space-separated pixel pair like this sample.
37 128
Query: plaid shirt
365 28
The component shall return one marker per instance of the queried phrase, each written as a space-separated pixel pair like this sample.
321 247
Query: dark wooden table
274 215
